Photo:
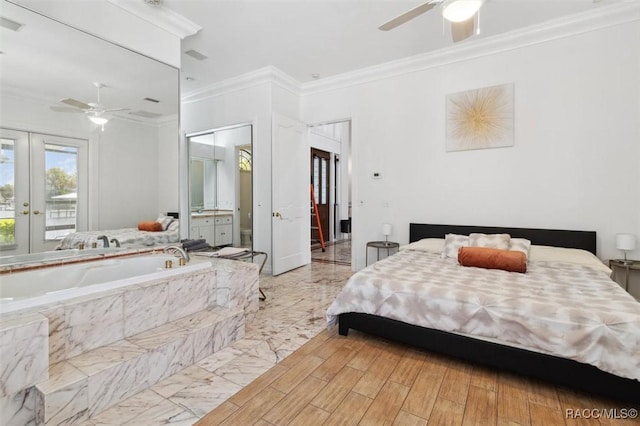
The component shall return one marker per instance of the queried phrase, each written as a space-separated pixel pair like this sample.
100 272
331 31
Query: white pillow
165 221
496 241
566 255
430 245
521 244
452 243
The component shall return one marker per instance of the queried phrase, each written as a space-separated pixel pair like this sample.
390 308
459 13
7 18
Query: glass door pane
61 190
59 186
14 192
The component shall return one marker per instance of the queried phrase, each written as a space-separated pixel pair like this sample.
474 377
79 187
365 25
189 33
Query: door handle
25 212
36 212
278 215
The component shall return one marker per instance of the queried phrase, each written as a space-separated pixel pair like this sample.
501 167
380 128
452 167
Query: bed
542 356
126 237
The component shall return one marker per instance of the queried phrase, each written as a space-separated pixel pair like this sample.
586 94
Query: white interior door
291 198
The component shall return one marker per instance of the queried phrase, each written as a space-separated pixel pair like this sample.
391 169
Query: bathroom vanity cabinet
214 226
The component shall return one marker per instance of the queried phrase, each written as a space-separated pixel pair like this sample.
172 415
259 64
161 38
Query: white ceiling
330 37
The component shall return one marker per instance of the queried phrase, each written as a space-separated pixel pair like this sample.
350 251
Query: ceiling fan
95 111
460 13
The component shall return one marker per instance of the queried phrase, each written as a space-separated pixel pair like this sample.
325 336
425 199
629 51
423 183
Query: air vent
196 55
10 25
155 101
145 114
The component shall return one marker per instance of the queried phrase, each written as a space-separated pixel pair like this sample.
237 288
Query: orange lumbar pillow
491 258
150 226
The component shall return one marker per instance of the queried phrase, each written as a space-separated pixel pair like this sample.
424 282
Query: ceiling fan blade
75 103
115 109
463 30
407 16
64 109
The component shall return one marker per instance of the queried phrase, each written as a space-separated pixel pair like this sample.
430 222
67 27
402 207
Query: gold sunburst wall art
480 118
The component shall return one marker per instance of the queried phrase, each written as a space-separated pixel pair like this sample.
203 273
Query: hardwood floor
364 380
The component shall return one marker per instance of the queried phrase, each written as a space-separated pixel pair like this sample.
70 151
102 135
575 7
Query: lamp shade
460 10
625 241
387 229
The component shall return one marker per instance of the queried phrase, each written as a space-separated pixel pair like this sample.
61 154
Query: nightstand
629 265
380 245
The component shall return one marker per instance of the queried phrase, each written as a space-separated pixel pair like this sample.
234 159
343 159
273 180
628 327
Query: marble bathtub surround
292 314
122 341
85 256
24 352
66 395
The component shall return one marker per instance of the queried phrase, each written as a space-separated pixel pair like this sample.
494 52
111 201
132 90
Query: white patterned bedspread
126 236
568 310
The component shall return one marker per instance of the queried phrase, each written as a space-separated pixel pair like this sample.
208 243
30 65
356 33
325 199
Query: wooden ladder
314 213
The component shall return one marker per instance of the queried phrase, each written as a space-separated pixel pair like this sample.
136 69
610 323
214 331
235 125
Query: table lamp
387 229
625 242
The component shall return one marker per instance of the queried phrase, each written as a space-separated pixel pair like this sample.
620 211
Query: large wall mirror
122 137
220 180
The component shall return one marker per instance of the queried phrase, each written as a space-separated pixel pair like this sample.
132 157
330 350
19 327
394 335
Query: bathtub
20 290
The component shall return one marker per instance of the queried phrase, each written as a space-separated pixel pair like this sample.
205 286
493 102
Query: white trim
160 16
595 19
265 75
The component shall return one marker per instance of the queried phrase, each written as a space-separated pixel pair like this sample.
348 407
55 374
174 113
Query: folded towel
191 243
200 246
230 251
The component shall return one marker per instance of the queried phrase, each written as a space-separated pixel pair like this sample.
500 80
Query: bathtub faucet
177 249
105 240
116 242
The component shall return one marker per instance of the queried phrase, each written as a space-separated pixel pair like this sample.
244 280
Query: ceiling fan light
460 10
100 121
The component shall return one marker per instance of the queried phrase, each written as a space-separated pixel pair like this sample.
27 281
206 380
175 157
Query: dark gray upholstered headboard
585 240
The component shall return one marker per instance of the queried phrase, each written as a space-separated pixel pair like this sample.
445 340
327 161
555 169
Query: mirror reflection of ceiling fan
95 111
460 13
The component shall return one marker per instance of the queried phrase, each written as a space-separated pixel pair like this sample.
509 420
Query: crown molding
160 16
615 14
604 17
265 75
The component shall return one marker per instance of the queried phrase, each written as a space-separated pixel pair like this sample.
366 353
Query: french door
43 188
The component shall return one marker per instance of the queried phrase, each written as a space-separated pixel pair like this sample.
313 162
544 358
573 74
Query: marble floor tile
128 409
292 314
202 397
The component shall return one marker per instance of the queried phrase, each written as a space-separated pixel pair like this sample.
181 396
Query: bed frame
557 370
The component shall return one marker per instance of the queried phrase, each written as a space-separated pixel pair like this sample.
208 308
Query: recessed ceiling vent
145 114
155 101
10 25
196 55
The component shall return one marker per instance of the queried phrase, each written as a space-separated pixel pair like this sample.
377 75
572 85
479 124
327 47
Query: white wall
575 163
167 179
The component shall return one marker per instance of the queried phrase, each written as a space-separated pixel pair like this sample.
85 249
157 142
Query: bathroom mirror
220 180
129 171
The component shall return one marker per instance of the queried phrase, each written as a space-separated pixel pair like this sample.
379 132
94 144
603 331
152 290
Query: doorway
331 176
220 186
43 187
